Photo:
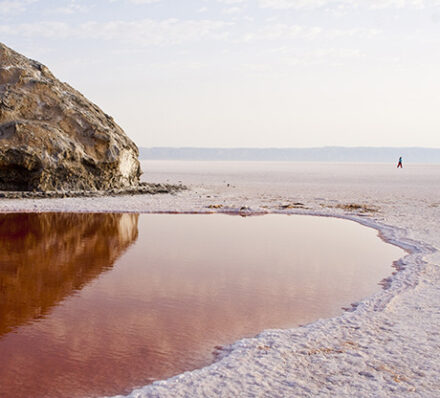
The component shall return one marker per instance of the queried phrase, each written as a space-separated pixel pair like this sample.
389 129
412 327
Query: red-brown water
97 304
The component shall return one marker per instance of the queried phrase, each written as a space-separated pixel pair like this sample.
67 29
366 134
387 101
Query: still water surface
96 304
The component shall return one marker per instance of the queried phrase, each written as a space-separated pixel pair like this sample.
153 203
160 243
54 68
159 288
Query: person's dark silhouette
400 163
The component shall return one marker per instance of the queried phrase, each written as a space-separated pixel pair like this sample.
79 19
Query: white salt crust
388 345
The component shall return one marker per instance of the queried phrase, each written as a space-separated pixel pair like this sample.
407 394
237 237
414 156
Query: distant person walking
400 163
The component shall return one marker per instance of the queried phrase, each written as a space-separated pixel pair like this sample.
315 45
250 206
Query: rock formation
53 139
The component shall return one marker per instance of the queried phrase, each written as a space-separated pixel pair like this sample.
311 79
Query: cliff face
53 138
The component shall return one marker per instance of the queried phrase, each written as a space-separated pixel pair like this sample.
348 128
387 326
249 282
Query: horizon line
283 148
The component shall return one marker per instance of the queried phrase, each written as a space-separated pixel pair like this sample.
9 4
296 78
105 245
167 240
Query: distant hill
322 154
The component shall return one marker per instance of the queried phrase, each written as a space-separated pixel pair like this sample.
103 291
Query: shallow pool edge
406 276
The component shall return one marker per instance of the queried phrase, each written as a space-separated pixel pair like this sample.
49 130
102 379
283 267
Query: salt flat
387 345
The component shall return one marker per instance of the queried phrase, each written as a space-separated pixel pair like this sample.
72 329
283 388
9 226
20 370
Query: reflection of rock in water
46 257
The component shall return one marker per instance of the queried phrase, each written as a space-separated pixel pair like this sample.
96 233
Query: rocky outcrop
53 139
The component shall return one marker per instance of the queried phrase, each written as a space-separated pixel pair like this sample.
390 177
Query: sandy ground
388 345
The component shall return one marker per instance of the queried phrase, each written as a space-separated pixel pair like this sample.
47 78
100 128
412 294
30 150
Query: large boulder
53 139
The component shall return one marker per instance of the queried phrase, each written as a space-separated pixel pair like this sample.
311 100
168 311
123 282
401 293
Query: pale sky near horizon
245 73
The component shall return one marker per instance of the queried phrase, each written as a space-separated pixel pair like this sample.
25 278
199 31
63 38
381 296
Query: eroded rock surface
53 139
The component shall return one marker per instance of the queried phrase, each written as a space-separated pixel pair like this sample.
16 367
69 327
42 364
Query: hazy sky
247 73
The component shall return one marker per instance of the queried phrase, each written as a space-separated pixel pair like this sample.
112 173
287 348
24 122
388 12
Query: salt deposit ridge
388 345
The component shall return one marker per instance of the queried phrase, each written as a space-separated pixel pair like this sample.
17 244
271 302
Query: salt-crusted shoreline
388 345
